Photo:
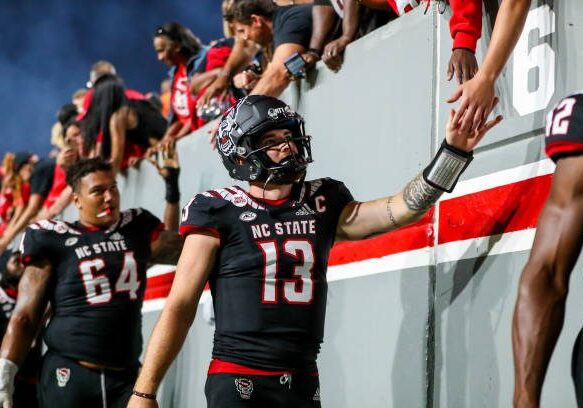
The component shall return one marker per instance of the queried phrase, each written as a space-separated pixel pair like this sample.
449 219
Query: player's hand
467 141
333 54
462 64
218 88
137 402
477 101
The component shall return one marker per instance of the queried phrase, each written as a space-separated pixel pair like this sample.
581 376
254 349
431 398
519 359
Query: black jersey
97 287
28 371
269 280
7 303
564 128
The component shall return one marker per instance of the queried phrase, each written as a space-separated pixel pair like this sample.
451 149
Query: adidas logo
316 396
305 210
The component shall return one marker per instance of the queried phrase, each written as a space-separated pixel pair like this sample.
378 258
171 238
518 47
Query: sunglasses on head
171 35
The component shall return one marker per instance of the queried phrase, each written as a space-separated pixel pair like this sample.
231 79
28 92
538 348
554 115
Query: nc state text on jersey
302 227
100 247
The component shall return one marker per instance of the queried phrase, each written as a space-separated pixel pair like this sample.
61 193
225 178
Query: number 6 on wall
537 59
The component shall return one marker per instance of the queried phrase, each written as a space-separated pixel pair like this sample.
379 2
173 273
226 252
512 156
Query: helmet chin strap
294 204
267 181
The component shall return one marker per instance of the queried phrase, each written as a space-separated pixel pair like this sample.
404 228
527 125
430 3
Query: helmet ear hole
239 160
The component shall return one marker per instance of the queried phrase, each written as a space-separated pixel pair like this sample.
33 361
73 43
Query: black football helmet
240 130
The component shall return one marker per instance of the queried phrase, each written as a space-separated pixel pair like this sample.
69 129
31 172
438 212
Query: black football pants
66 384
24 395
270 391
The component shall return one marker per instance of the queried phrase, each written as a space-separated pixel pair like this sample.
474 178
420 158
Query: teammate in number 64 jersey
92 273
264 251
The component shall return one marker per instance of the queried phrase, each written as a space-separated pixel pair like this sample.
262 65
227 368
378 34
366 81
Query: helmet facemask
292 167
240 132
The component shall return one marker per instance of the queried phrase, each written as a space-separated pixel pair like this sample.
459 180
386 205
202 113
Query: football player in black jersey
544 283
93 274
264 252
26 378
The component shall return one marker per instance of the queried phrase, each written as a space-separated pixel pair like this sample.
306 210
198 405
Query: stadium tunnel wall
420 317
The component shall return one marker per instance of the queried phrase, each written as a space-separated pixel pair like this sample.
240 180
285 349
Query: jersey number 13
295 291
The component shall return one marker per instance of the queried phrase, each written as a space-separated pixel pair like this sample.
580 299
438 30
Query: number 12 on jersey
295 291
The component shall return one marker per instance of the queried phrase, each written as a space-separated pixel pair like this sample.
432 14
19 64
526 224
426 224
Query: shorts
64 383
244 391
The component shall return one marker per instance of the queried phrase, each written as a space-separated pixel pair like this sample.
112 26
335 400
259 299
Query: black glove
170 175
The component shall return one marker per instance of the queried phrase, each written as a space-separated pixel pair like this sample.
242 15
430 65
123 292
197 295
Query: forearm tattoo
390 213
419 195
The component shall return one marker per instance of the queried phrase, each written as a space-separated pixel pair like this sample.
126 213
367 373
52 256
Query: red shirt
216 58
59 184
7 204
465 24
129 93
181 100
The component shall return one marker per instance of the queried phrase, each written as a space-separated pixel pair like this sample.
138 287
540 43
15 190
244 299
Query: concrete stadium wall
430 326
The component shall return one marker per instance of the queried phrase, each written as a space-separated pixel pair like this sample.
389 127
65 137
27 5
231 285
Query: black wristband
144 395
446 167
315 51
172 189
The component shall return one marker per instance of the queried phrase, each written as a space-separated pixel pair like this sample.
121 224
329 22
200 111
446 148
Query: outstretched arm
58 206
323 20
543 287
34 205
119 124
276 78
166 249
477 94
241 55
361 220
192 271
333 55
465 26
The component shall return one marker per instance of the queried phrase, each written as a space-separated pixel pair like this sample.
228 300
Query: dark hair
108 96
67 112
189 43
68 124
241 10
84 167
7 278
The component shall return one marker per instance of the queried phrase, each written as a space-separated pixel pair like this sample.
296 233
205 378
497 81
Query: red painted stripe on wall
508 208
159 286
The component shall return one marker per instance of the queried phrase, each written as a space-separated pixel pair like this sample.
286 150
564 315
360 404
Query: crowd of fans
123 125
